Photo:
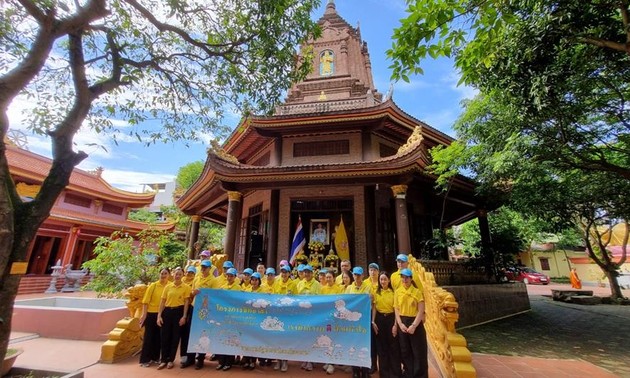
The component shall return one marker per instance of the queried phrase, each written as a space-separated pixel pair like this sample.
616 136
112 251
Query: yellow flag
341 242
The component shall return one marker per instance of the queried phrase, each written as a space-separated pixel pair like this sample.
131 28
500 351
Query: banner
341 241
315 328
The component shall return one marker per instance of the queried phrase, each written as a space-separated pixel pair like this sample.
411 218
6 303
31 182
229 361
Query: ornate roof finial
330 7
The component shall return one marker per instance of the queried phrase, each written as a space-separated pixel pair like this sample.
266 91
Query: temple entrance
321 219
45 253
257 235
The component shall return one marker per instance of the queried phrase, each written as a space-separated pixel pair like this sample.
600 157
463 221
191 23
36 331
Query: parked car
526 275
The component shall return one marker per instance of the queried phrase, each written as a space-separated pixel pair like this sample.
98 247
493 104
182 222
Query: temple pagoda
336 150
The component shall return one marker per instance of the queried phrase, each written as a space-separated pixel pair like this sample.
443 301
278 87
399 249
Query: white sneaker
325 366
303 366
330 369
309 366
276 366
285 366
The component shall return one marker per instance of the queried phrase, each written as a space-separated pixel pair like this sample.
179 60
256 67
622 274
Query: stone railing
449 349
456 273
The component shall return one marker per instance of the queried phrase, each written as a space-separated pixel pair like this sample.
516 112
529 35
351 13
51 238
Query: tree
122 261
179 64
567 87
551 112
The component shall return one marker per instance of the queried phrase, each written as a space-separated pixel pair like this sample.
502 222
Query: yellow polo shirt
176 296
153 296
365 288
406 300
235 286
308 287
334 289
384 302
396 281
281 287
202 282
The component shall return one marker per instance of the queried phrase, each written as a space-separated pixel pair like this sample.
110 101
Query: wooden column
231 227
402 220
370 225
272 237
194 236
68 253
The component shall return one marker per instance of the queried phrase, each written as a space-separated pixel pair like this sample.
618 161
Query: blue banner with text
316 328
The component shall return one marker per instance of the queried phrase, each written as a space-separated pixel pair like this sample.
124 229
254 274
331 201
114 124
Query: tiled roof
35 167
107 223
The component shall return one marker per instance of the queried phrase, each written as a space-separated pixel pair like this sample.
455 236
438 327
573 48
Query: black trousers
185 336
388 346
151 343
413 350
171 332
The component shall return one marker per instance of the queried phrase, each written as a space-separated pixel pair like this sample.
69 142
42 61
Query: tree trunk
8 290
615 289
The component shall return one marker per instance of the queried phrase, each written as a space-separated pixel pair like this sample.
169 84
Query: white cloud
272 324
306 304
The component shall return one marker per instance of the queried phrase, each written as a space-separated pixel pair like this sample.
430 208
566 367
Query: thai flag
298 242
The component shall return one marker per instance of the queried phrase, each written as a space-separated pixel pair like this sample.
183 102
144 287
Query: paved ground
555 330
566 341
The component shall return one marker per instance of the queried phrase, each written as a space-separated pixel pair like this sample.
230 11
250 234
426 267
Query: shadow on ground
597 334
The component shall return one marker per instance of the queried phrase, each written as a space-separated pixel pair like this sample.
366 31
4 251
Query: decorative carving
216 148
134 297
413 141
399 190
26 190
441 308
234 196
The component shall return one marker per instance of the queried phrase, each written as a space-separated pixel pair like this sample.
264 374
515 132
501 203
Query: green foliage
122 261
188 174
171 70
510 234
143 215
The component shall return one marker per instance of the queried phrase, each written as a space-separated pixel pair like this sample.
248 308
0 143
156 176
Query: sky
433 98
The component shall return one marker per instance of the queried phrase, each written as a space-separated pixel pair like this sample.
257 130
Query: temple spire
330 7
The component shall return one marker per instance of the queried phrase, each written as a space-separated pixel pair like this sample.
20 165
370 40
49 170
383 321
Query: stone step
585 300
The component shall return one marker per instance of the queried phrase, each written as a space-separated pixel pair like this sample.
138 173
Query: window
326 63
328 147
544 263
77 200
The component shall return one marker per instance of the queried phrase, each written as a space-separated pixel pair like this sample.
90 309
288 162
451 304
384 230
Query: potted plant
9 360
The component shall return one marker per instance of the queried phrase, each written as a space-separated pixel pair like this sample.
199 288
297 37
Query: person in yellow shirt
402 262
150 352
284 284
308 285
331 287
172 316
222 279
409 310
373 274
321 276
359 286
246 277
203 281
187 359
270 278
345 267
385 329
225 361
249 363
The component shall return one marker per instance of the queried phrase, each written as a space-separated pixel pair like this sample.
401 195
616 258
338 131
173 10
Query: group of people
399 346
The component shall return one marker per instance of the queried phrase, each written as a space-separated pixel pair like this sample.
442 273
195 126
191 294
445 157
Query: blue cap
256 275
232 271
402 257
308 267
191 269
300 268
374 266
270 271
285 268
249 271
228 264
406 272
323 271
206 263
357 270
